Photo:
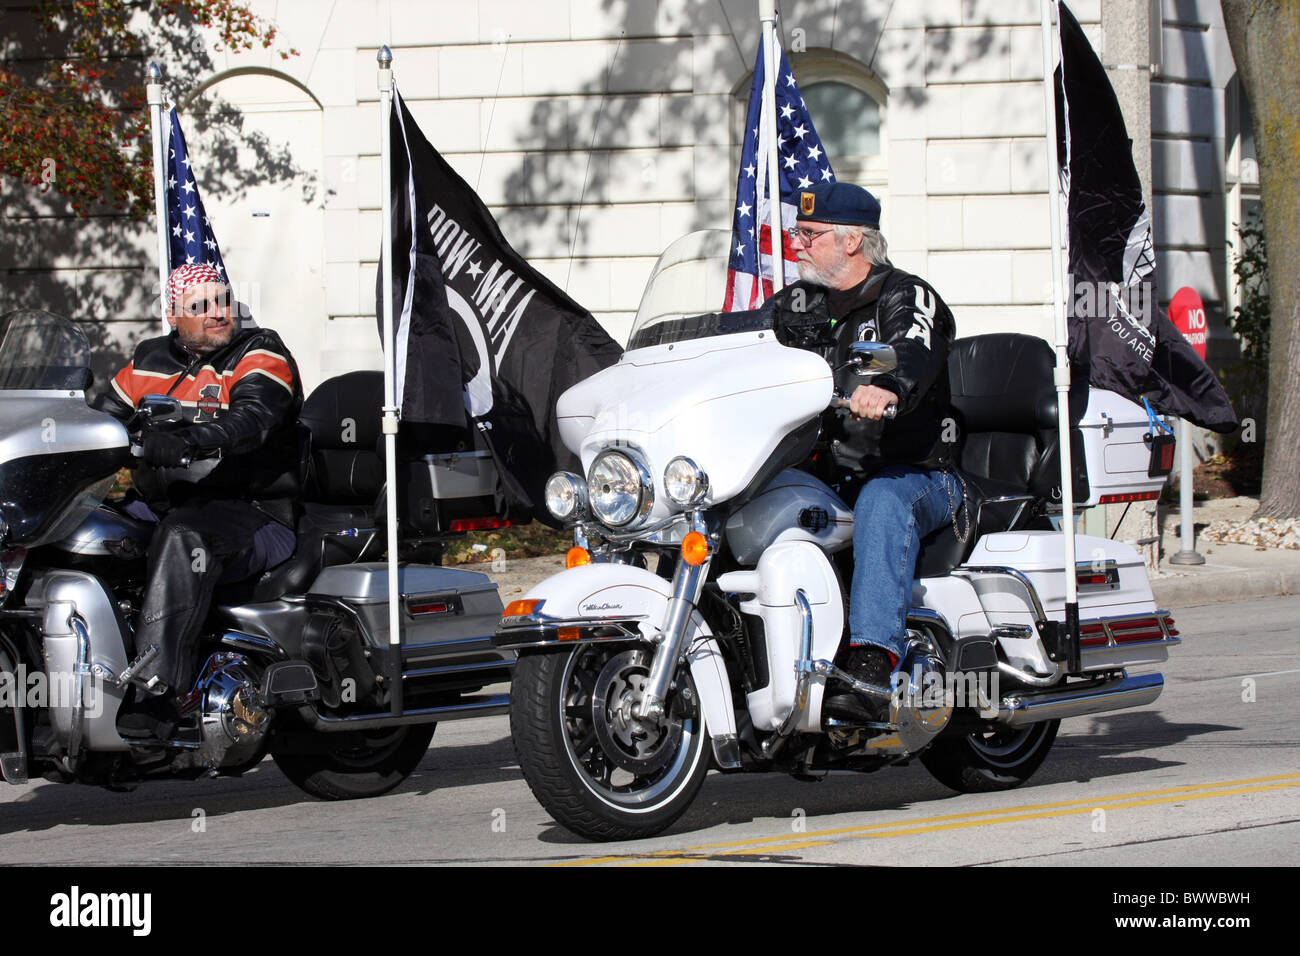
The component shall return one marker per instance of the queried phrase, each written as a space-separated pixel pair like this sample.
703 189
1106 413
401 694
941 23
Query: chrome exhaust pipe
1023 709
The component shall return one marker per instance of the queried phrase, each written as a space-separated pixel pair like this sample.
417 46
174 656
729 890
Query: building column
1126 54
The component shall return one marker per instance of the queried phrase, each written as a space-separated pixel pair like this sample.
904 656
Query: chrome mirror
872 358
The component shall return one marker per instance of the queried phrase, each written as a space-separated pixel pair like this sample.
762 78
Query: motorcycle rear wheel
989 762
596 774
353 771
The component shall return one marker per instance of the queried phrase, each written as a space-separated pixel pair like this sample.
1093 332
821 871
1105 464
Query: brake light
1137 496
433 607
1092 635
479 524
1137 631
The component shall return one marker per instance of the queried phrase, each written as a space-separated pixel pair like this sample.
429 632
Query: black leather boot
153 717
871 665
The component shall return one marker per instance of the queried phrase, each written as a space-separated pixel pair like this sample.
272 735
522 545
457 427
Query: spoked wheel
989 761
595 767
367 766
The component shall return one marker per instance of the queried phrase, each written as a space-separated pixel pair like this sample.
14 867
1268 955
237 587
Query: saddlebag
448 618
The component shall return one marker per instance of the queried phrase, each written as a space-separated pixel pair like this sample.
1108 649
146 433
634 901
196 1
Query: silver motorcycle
296 663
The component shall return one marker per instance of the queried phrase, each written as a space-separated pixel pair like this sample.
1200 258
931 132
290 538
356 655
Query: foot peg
153 685
874 691
864 703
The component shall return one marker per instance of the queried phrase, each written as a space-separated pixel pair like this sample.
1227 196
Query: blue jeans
895 509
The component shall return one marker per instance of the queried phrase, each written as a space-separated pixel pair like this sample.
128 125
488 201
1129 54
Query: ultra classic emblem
591 608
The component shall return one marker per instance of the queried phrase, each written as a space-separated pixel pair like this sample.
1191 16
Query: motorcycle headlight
566 496
620 488
685 482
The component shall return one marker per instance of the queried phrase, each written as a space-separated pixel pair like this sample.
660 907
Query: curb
1218 587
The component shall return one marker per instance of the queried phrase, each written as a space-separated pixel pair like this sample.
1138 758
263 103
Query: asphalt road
1205 775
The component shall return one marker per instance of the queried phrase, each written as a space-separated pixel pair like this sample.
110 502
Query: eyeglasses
201 306
807 235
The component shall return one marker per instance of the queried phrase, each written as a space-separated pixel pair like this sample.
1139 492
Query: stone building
601 131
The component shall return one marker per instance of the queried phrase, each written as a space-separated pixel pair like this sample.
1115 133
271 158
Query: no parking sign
1187 312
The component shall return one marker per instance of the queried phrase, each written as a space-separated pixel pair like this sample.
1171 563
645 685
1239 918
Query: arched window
848 105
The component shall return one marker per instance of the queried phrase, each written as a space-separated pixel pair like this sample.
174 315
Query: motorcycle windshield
668 329
688 281
42 351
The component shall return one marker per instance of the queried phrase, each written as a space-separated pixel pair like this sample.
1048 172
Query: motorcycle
295 664
701 616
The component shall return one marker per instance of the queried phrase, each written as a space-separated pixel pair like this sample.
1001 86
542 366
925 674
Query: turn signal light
520 608
695 549
577 556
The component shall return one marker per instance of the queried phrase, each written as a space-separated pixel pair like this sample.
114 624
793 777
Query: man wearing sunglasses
222 483
900 469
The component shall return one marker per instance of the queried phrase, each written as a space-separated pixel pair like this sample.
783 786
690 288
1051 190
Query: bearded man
901 468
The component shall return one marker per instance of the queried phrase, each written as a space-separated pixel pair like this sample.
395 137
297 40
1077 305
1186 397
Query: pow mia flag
480 334
1117 332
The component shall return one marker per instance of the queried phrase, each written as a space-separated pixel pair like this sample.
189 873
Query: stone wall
598 131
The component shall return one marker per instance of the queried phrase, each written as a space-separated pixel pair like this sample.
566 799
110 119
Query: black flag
1117 332
480 333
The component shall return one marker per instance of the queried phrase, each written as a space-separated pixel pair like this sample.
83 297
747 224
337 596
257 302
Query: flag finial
155 73
385 57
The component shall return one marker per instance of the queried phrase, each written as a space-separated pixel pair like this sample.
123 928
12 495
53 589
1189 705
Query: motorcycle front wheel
594 768
356 768
991 761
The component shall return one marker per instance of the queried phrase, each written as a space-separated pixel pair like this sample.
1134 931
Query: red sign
1187 312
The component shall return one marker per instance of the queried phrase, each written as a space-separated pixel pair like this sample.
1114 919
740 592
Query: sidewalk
1232 572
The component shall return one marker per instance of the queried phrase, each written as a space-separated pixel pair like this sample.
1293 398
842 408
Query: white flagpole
767 14
158 131
1062 374
390 409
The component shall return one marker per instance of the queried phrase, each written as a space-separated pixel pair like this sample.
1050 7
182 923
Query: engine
232 720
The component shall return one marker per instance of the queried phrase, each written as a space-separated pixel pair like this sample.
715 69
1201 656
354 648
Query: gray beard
810 273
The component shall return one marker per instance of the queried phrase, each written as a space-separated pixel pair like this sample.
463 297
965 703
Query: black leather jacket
902 310
240 408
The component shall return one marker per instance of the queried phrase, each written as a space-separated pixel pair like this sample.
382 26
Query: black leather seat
343 415
345 476
1004 400
344 485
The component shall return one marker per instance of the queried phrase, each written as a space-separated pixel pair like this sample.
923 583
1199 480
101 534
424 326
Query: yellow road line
957 821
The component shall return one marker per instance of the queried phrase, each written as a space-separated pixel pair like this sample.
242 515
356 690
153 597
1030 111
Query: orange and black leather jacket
240 409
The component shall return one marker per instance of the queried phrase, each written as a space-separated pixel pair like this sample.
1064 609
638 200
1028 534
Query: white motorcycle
700 617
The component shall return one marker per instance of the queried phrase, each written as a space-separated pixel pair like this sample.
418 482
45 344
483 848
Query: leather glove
166 449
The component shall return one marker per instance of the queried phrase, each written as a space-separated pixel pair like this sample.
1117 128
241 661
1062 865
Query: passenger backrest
347 456
343 414
1004 396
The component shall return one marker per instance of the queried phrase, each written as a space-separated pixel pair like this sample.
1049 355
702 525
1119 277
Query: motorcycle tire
593 774
351 772
987 763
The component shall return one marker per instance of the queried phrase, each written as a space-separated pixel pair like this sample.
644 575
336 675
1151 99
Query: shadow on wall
580 164
102 270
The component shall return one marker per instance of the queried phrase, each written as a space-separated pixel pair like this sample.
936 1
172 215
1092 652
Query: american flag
189 235
803 162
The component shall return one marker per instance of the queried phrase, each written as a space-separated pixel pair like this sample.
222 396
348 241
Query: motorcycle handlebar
137 451
891 411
